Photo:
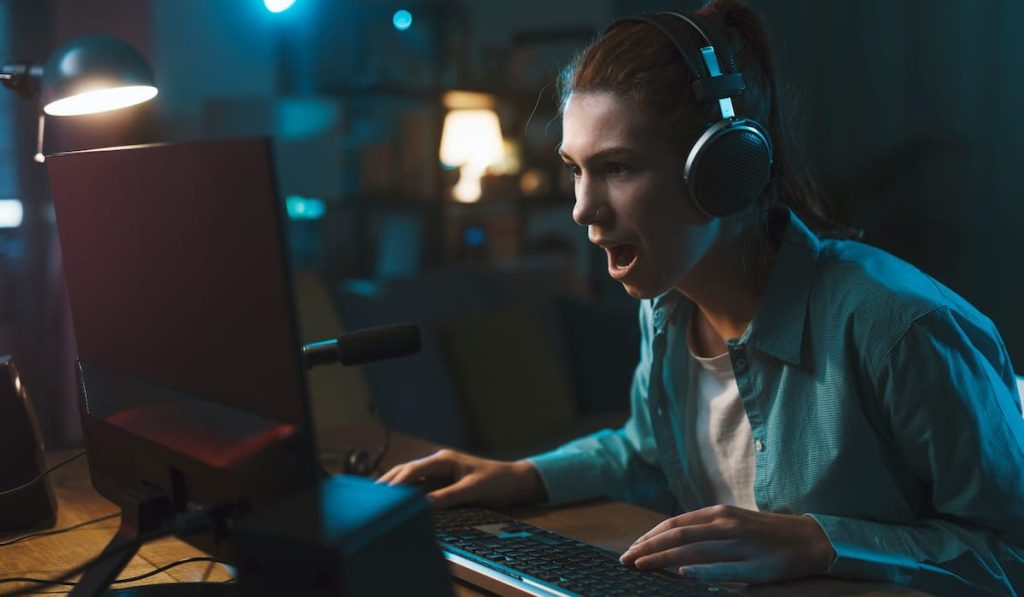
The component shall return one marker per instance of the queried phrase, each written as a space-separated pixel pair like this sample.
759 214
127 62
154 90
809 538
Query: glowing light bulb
100 100
276 6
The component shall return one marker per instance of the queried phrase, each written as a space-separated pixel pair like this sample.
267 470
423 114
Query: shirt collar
778 326
664 307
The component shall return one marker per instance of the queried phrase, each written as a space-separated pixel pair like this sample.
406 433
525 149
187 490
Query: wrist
823 554
532 484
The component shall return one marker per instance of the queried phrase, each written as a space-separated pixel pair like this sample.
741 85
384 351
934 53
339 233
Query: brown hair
636 61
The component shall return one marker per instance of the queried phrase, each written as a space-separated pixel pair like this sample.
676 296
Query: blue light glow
278 5
402 19
305 208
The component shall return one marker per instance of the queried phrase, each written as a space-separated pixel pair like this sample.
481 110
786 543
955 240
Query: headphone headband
728 167
710 83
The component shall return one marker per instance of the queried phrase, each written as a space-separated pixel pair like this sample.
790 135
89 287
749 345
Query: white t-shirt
721 432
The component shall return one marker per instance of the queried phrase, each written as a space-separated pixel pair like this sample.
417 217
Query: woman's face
630 195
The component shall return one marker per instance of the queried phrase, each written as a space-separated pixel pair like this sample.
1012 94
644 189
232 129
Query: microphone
364 346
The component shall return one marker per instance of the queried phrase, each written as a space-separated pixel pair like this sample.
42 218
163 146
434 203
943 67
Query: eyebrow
604 153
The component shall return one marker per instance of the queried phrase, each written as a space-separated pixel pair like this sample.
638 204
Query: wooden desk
612 525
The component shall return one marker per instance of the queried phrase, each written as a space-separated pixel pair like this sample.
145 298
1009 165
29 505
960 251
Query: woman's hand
470 479
734 544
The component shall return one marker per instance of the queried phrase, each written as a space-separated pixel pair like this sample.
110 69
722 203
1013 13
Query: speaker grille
732 172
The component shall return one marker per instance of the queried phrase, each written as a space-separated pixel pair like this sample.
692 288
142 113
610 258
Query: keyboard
539 562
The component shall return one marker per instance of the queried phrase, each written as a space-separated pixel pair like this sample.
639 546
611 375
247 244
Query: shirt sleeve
619 464
948 391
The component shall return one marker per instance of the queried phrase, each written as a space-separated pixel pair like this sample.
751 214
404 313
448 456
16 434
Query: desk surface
612 525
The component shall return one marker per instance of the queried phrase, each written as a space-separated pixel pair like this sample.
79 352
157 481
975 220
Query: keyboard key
518 549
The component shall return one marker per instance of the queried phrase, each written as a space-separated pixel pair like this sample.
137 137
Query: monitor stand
144 512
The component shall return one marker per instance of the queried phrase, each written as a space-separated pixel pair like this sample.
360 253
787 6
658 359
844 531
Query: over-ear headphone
358 461
729 165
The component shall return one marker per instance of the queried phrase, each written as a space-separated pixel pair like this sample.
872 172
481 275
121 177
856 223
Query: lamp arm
23 77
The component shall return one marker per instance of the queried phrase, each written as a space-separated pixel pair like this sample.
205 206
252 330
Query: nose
591 204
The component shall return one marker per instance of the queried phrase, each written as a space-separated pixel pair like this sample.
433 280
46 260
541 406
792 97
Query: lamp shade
471 137
95 73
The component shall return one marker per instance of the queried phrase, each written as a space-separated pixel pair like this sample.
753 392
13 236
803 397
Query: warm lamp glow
100 100
471 140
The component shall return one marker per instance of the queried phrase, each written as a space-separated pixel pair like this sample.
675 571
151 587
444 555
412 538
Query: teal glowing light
305 208
402 20
10 213
278 5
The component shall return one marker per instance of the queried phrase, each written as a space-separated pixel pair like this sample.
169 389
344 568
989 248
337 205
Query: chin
641 292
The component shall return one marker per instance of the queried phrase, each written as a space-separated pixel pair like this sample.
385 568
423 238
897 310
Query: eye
616 169
573 169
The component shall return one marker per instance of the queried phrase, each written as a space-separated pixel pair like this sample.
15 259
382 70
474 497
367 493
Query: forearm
934 555
604 464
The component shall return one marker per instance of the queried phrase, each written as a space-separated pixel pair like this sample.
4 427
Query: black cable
43 581
62 579
58 531
168 567
209 569
41 475
183 524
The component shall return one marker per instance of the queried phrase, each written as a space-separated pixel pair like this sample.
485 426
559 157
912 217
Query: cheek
683 241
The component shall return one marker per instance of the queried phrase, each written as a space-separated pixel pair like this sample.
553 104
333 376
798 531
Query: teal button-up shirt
881 403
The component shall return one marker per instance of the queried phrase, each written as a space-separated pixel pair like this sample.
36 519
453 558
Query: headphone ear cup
358 462
728 167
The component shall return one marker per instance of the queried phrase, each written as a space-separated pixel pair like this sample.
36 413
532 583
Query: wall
908 108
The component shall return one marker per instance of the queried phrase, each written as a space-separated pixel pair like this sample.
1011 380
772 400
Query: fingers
677 537
703 515
440 464
457 493
705 552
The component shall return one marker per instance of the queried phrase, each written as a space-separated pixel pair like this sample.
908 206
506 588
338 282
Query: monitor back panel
176 271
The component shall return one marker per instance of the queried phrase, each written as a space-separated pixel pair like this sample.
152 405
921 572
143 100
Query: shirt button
759 445
741 363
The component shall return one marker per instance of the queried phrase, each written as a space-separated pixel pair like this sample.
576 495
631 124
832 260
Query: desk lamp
89 74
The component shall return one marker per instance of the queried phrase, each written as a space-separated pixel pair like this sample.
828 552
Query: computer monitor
192 388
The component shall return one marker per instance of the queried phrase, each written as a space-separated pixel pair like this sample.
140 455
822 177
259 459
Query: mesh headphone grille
732 172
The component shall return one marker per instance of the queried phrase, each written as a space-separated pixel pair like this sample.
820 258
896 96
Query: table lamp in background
471 141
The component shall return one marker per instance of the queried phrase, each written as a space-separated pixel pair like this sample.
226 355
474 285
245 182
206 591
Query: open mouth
621 258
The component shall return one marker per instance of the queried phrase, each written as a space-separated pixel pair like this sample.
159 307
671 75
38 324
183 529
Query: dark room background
908 108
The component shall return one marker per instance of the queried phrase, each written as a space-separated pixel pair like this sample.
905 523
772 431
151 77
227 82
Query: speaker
729 165
22 458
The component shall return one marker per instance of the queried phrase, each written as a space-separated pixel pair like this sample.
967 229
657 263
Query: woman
808 404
